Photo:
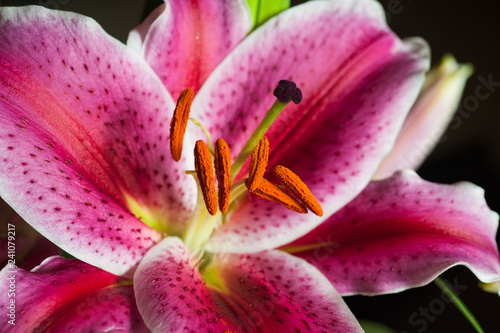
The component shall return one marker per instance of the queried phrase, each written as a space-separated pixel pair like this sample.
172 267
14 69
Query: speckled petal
67 295
263 292
401 233
84 139
184 41
358 82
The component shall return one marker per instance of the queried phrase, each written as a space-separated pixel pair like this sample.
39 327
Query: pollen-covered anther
271 192
298 188
205 172
258 164
179 123
222 160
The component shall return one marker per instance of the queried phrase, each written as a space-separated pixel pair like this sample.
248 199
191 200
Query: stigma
293 193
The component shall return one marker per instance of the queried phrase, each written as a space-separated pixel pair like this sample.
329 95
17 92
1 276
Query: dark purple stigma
287 91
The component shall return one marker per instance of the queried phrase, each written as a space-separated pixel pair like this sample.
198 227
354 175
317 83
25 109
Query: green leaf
445 287
374 327
262 10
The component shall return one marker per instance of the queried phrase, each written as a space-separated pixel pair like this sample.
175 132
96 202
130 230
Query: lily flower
85 159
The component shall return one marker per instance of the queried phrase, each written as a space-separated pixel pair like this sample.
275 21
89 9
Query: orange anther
205 173
179 123
298 188
269 191
258 164
222 160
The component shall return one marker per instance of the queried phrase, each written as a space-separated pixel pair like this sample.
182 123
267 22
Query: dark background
470 30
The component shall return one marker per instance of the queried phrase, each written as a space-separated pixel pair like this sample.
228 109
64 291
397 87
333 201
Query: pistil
286 92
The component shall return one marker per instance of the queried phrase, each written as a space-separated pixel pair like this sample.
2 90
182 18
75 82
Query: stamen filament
258 164
179 123
205 173
209 137
237 190
200 224
298 188
269 191
222 159
237 185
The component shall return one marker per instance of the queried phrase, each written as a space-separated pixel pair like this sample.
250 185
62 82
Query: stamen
222 161
269 191
298 188
205 173
258 164
179 123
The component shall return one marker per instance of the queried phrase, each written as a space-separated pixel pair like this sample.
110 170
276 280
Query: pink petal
83 135
358 81
184 41
265 292
428 118
67 295
403 232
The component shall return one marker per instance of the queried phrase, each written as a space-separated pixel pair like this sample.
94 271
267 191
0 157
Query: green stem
445 287
254 139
